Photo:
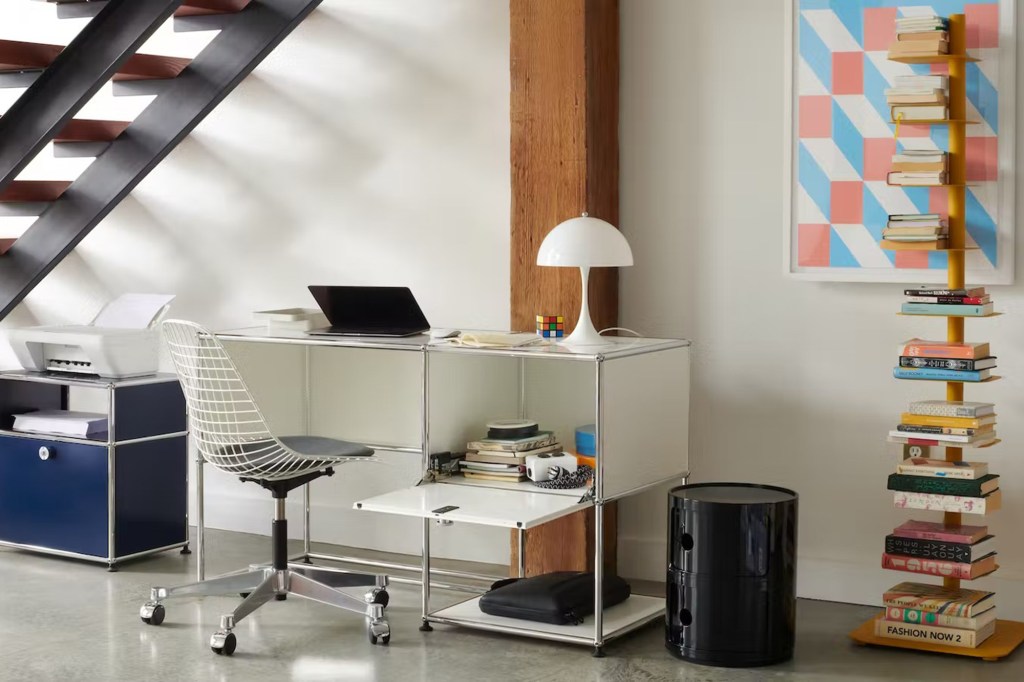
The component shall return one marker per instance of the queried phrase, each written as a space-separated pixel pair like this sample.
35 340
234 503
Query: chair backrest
225 422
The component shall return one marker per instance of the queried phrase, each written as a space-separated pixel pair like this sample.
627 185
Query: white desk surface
617 346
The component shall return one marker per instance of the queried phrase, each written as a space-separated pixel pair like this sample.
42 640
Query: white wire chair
230 433
226 423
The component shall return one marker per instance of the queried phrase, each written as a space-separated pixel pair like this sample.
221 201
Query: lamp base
584 334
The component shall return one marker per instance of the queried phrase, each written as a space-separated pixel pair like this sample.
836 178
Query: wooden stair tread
34 190
191 8
17 55
91 130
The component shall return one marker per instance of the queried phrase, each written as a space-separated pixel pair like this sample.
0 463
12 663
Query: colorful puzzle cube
551 326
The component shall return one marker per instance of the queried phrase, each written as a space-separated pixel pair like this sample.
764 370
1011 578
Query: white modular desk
635 391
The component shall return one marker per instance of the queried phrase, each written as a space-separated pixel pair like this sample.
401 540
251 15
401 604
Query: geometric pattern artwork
844 142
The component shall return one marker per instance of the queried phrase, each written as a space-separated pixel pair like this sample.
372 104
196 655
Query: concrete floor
67 620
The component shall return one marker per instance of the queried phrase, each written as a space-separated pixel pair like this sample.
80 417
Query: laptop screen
366 309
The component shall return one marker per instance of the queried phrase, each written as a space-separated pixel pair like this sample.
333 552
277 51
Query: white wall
370 148
791 380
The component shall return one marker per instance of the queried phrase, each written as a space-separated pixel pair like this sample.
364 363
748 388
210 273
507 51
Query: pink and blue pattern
845 141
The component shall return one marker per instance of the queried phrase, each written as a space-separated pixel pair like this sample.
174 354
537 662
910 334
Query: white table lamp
585 243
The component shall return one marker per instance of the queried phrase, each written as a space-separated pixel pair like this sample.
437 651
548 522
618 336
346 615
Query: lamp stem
584 334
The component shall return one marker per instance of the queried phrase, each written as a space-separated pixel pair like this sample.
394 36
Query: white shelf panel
520 486
618 620
479 505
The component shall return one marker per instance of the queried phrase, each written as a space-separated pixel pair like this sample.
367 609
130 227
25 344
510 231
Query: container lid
734 493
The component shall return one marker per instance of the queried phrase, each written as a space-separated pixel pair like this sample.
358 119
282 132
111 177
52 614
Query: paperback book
933 441
929 530
932 291
540 440
944 349
944 486
927 374
947 309
943 569
951 408
952 422
922 466
935 635
947 363
949 503
940 551
918 617
961 602
945 438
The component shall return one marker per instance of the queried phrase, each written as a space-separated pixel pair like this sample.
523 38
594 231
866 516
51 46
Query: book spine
935 536
937 363
936 292
897 614
945 503
936 472
924 350
943 309
927 549
936 374
944 569
948 300
922 633
934 410
934 485
947 430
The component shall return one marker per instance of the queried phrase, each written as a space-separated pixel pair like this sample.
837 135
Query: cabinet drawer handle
45 453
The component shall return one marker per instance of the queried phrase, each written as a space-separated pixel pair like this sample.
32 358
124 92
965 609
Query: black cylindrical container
731 587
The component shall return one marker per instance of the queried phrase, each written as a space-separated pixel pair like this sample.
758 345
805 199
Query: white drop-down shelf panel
478 505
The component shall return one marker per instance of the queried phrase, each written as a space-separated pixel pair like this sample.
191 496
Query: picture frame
843 245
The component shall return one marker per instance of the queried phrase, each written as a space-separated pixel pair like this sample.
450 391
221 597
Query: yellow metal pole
957 204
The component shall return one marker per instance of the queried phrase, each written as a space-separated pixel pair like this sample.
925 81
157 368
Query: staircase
63 79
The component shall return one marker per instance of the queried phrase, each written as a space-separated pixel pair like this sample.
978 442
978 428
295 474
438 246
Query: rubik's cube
551 326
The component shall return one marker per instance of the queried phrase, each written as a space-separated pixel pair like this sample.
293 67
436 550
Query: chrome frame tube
424 466
395 566
521 553
599 506
307 408
200 518
111 477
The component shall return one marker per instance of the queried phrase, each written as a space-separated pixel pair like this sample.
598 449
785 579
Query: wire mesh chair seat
230 432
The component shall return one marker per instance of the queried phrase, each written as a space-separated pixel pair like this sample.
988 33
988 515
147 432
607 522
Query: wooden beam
565 161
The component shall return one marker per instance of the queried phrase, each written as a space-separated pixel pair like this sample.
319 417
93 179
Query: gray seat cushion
317 446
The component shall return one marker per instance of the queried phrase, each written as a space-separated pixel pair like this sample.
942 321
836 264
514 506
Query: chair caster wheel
598 652
425 627
152 613
378 595
379 632
223 643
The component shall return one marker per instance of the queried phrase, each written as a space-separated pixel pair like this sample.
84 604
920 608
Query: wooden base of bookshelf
1008 636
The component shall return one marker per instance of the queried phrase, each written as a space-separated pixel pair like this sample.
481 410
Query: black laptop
369 311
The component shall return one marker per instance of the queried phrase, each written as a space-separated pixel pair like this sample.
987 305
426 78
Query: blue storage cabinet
105 500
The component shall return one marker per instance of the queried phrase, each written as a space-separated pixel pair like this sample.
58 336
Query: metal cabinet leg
599 580
521 554
200 523
425 591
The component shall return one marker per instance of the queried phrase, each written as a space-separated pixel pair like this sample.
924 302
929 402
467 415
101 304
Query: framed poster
839 142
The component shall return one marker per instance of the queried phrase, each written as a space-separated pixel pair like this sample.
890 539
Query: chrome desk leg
599 580
425 590
308 417
306 534
200 522
521 554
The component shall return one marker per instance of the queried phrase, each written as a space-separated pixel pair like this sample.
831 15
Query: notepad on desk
490 339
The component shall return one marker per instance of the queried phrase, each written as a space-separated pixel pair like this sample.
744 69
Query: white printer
122 341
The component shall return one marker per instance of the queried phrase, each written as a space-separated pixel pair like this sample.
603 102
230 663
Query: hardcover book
948 363
505 457
927 530
949 438
958 300
940 374
932 291
940 551
517 445
916 616
945 349
921 466
956 422
951 408
944 486
949 503
960 602
944 569
934 635
931 440
949 430
947 309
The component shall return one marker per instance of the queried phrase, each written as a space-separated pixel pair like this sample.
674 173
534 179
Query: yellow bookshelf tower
1009 634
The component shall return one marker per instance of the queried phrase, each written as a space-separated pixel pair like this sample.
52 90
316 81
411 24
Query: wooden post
565 161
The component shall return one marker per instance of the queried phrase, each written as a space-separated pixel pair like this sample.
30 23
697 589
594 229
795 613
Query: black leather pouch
561 598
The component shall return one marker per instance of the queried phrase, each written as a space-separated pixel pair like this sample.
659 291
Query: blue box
586 443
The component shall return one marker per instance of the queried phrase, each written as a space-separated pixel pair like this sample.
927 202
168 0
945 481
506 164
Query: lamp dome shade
585 242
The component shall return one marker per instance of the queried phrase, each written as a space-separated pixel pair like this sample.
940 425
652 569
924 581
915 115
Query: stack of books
920 36
964 552
973 302
937 615
915 232
913 168
498 459
919 98
945 423
91 425
945 361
